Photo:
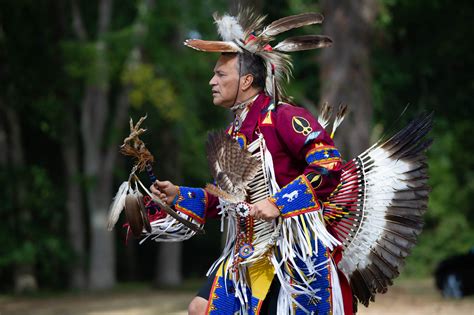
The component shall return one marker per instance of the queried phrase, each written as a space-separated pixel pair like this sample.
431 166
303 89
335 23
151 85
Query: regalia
355 235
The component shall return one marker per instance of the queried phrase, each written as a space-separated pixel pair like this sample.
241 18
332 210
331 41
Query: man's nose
213 80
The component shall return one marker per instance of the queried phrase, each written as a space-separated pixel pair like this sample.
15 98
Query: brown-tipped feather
230 176
341 114
325 114
216 191
360 288
305 42
211 46
390 178
146 222
290 22
250 21
134 215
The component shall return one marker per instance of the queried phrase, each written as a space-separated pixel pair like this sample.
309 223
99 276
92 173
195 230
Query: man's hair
254 65
251 64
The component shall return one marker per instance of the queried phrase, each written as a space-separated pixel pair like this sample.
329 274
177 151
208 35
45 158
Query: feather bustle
379 208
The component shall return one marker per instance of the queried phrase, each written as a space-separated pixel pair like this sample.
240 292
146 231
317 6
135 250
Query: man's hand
264 210
165 190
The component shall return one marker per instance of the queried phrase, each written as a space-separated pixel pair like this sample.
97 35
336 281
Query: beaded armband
296 198
323 155
193 202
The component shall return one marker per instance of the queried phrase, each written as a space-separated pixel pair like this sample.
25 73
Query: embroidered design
291 196
299 198
301 125
242 209
322 155
193 202
246 251
268 119
320 303
256 305
222 300
241 139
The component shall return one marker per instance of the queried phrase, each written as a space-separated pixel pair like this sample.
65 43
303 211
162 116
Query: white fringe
337 301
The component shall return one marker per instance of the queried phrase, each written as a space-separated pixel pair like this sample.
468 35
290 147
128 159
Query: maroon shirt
299 145
291 134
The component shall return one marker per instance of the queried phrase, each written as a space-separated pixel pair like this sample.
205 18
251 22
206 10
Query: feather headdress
246 32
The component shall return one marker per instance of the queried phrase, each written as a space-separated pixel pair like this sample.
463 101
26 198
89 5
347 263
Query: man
275 171
297 272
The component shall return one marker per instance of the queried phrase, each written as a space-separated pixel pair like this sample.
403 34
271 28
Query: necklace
244 104
240 111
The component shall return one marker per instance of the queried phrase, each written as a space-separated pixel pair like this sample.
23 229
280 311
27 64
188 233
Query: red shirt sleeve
307 141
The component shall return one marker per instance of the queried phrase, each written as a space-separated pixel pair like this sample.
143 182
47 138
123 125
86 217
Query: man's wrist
176 197
273 202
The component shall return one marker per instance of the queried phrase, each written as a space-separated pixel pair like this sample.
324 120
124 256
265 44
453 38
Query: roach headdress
247 33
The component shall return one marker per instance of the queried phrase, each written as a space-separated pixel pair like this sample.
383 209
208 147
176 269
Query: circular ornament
237 124
246 250
242 209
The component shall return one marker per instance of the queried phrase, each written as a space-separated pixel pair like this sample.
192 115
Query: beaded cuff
322 155
193 202
296 198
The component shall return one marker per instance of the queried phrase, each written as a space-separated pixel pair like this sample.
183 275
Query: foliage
423 58
33 232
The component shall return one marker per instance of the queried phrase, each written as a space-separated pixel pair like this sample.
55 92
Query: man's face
224 83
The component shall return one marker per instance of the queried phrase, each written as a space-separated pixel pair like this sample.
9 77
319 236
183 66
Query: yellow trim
268 119
210 306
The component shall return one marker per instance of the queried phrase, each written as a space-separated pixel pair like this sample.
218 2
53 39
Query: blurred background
72 72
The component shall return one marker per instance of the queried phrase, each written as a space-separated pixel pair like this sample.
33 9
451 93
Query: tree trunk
169 265
345 69
24 274
95 107
169 254
3 142
74 203
99 159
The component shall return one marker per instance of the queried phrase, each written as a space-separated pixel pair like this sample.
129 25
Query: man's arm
305 140
195 202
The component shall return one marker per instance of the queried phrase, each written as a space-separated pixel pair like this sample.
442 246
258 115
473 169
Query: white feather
229 28
117 205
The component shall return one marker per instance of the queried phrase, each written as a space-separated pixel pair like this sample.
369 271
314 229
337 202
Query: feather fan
377 210
231 166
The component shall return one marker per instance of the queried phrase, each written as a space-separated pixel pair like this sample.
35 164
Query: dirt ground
408 297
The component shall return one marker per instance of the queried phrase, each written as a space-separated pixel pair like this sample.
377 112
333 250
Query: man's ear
247 81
